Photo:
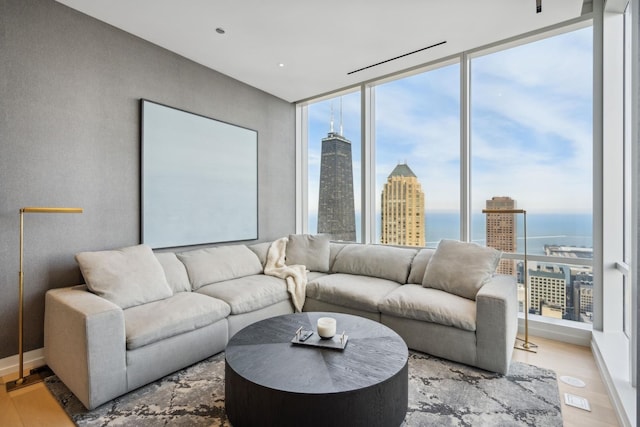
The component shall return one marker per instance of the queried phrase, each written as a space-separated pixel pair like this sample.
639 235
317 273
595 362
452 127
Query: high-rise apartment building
336 213
403 209
548 288
501 231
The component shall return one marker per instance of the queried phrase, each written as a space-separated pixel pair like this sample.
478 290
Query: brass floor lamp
36 375
525 345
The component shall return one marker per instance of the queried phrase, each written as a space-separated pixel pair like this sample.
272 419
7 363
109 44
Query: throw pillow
174 271
460 268
312 251
261 250
419 265
127 277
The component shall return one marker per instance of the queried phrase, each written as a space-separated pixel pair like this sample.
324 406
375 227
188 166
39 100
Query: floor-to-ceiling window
531 149
524 142
417 152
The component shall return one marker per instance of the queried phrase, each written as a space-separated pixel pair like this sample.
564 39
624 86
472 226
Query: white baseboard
31 359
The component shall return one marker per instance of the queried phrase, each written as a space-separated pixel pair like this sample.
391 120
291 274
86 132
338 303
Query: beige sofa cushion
430 305
174 271
360 292
248 293
261 250
159 320
384 262
334 250
312 251
419 265
461 268
212 265
127 277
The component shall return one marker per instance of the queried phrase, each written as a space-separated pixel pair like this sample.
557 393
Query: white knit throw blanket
295 275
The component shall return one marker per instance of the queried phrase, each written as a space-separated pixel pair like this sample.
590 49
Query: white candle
326 327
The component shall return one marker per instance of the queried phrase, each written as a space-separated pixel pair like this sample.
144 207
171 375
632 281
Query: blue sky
531 128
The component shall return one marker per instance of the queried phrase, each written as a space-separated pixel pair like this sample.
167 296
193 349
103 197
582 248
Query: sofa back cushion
461 268
174 271
384 262
334 250
312 251
261 250
127 277
212 265
419 265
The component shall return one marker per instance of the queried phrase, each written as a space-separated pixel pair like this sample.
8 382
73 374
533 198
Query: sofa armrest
85 345
496 323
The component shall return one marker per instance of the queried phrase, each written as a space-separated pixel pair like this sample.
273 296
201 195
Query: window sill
568 331
611 352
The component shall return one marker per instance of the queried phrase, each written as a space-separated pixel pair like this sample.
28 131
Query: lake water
542 229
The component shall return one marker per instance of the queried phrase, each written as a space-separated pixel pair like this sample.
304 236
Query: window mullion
465 148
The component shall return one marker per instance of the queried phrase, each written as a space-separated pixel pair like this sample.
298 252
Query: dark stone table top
263 354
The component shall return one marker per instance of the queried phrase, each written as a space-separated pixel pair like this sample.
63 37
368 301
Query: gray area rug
441 393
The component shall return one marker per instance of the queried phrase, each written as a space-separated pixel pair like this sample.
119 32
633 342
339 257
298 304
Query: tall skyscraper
336 213
501 231
403 209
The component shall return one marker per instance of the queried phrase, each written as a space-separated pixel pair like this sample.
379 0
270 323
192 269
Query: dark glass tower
336 213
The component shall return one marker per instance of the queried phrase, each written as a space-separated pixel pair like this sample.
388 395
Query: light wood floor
34 406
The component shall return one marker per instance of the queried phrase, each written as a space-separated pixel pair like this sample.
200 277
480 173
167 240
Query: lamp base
526 346
36 375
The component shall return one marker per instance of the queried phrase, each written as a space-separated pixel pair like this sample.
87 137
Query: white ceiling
320 42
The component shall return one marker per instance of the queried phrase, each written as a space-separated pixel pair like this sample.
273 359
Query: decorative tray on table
338 342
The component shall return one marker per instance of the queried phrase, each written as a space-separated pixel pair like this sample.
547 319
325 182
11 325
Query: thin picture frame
199 179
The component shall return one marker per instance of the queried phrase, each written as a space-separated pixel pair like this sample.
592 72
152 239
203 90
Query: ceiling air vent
393 59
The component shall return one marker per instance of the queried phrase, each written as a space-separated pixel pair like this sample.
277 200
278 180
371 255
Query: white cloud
531 125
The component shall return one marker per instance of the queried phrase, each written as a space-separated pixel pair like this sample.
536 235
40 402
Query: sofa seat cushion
348 290
384 262
248 293
181 313
430 305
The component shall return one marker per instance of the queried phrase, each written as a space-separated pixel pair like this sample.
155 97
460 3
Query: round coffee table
269 381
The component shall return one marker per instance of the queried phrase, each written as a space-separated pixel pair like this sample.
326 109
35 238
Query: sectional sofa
142 315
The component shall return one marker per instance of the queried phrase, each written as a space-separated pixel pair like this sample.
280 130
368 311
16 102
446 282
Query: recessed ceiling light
281 65
220 30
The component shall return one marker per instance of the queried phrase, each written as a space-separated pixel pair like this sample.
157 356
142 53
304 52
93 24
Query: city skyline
531 123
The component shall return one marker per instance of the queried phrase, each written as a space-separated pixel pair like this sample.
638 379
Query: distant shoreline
564 229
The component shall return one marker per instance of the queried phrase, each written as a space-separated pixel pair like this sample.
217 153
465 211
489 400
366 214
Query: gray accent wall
69 136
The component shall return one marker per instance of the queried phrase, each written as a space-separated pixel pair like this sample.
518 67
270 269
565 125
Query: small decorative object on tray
311 339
